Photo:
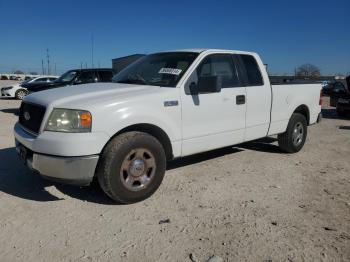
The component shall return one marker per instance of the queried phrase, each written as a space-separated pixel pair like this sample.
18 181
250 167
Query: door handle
240 100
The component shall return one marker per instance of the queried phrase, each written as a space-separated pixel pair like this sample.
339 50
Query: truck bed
287 97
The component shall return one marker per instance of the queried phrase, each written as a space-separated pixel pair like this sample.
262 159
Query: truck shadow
14 111
17 180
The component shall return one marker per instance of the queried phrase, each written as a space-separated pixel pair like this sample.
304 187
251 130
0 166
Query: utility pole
81 65
48 61
55 69
85 64
42 66
92 50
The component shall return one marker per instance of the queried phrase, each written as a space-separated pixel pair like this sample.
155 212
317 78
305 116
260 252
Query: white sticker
170 71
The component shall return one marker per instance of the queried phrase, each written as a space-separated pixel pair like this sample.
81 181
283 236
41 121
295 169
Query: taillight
321 96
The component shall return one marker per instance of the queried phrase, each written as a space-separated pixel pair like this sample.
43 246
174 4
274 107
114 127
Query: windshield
162 69
67 77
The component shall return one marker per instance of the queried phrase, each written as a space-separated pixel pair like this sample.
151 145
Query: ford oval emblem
26 116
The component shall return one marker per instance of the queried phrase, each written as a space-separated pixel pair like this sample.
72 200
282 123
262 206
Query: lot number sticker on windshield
170 71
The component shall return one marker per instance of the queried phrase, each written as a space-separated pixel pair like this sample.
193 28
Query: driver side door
216 118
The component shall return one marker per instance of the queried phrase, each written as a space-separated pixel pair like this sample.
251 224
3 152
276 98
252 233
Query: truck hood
87 95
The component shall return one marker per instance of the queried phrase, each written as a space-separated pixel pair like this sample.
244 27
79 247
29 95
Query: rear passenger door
258 94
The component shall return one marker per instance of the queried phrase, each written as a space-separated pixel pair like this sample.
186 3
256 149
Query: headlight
69 120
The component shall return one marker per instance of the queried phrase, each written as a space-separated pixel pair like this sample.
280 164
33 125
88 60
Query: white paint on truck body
192 127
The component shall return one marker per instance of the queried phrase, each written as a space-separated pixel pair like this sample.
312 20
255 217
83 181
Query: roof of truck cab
200 50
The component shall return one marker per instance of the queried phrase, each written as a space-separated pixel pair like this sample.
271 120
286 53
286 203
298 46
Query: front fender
166 118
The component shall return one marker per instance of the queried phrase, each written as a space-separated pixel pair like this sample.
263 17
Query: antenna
92 50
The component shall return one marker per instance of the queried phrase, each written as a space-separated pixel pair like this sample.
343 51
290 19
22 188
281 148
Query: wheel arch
304 110
152 130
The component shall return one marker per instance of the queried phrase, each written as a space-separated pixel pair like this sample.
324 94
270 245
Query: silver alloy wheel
298 134
21 94
138 169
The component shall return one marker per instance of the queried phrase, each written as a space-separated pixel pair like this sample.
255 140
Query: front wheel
20 94
131 167
294 138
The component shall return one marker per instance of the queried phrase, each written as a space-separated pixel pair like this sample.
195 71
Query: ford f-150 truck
163 106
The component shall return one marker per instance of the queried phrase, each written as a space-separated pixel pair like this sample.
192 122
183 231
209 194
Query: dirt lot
246 203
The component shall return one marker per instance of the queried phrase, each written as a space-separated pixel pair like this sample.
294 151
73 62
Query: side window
105 76
42 79
254 76
221 66
87 77
214 72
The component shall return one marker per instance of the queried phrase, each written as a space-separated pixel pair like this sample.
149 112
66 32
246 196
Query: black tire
21 93
285 140
110 169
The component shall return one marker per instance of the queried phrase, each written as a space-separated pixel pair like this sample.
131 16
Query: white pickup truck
163 106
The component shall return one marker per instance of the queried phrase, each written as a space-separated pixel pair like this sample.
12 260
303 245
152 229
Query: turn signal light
85 119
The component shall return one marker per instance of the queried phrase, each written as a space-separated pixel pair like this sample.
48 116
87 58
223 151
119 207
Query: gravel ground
244 203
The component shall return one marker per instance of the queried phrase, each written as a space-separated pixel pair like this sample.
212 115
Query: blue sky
285 33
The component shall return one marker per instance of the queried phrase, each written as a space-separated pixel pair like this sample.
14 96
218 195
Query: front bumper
67 158
6 93
78 170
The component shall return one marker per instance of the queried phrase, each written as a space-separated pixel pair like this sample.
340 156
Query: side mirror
209 84
193 88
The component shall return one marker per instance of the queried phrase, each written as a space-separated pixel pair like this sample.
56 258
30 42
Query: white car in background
17 91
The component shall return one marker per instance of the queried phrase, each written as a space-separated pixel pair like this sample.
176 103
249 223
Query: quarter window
254 76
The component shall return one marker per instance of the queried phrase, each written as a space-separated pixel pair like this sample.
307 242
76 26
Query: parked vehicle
343 106
19 90
337 90
165 105
27 78
4 77
13 78
73 77
343 103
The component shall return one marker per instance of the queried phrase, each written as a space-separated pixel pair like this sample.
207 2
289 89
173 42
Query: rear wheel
20 94
131 167
294 138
